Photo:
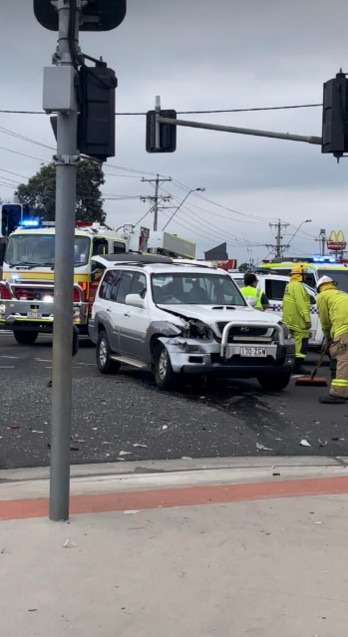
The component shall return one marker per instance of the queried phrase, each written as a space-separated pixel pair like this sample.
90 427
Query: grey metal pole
312 139
63 289
155 206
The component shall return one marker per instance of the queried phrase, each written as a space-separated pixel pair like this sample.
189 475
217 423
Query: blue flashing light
30 223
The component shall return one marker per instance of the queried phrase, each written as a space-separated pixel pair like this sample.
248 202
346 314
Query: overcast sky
198 55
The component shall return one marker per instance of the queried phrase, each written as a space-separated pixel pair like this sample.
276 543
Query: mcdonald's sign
336 241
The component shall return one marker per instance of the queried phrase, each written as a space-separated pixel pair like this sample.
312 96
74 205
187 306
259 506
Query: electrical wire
253 109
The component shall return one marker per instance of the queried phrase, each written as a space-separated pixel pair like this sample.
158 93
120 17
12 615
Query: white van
273 286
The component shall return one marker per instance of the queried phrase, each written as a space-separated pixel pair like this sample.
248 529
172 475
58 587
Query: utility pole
156 197
278 248
322 241
66 168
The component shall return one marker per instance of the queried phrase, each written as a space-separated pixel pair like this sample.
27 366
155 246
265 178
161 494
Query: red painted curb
177 497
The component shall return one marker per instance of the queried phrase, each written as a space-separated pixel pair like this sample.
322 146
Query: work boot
330 399
299 368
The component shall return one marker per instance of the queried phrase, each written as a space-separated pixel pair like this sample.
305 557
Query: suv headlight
197 329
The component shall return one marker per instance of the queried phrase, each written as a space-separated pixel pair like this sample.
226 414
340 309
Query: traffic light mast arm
241 131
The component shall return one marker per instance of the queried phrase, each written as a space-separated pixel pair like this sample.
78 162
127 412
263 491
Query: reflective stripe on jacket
296 306
333 312
249 290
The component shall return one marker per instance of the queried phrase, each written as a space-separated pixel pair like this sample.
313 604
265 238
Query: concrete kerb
21 484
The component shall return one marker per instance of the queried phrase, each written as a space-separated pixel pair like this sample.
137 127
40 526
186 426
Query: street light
297 229
179 206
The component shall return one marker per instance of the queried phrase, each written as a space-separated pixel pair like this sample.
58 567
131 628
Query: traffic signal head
96 120
160 138
96 15
335 116
11 216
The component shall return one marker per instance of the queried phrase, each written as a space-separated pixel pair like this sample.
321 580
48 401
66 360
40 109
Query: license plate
253 352
34 315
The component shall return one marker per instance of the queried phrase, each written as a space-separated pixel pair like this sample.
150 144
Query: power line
196 112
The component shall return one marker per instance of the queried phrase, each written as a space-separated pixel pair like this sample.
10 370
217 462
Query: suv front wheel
104 361
164 376
274 383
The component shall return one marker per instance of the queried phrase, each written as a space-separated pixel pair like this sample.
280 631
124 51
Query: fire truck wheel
25 338
104 361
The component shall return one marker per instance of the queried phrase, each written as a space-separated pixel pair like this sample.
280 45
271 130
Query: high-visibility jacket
332 307
249 290
296 306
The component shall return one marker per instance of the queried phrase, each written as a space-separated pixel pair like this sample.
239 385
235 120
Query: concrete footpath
232 547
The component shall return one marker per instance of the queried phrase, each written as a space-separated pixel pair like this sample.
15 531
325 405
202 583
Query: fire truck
27 285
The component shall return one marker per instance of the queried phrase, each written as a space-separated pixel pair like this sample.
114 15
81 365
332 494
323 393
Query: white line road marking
14 357
43 360
7 367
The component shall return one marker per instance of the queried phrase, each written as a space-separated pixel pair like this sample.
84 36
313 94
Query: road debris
68 544
305 443
261 447
140 446
125 453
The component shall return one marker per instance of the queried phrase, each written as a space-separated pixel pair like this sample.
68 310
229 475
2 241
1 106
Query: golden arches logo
336 240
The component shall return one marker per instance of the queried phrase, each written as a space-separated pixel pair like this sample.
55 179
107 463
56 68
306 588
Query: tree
40 192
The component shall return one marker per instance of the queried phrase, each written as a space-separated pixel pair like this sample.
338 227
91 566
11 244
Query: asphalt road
124 417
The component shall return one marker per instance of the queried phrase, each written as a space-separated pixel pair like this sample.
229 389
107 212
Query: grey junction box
59 89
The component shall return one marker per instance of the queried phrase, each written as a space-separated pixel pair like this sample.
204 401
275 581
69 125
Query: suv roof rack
135 258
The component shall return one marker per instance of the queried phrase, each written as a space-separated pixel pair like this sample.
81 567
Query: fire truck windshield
38 250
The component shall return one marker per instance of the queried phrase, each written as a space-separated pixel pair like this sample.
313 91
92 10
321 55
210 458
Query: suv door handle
108 309
127 314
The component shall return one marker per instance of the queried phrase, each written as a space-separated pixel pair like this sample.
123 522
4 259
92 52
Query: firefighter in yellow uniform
332 307
296 314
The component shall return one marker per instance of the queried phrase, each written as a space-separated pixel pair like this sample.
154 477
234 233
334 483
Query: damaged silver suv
177 319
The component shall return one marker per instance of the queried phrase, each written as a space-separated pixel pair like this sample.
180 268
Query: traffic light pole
241 131
66 166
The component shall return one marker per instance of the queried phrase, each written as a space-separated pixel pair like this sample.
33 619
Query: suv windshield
38 249
181 288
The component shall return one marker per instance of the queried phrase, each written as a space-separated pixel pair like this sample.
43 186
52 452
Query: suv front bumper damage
245 359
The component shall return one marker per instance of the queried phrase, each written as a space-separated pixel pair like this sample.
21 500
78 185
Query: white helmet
324 279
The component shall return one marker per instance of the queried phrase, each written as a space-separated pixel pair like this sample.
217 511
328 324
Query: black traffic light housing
96 120
11 216
166 142
335 116
96 15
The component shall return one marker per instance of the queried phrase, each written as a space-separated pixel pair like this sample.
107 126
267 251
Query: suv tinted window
124 287
109 285
139 284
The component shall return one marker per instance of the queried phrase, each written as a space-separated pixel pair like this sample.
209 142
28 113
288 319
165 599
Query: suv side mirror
135 300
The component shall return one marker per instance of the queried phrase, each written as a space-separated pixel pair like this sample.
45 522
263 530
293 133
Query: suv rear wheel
274 383
164 376
105 363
